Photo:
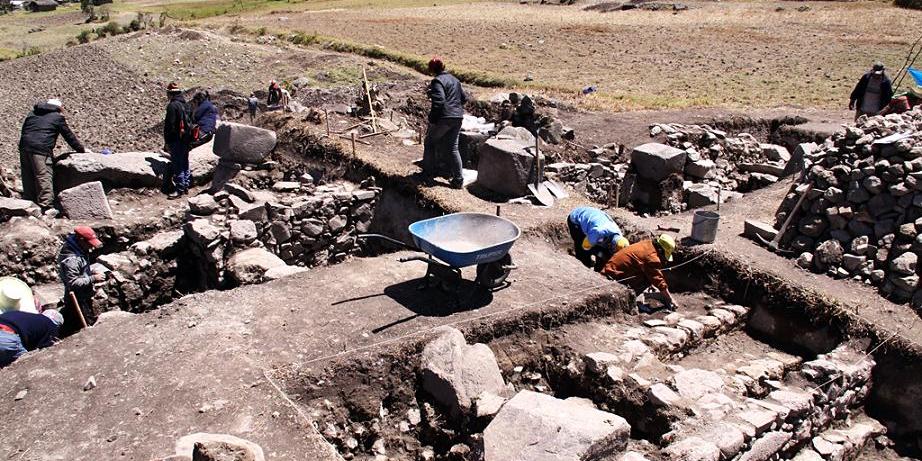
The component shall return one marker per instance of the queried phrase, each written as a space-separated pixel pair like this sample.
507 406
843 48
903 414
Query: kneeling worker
643 263
594 233
22 332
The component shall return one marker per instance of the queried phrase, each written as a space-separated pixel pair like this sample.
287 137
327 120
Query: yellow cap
586 244
621 243
667 243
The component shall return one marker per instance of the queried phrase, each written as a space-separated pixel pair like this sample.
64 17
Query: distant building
40 5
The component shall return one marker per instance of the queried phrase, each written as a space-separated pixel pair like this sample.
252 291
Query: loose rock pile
863 217
711 165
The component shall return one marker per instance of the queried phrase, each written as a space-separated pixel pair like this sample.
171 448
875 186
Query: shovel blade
556 189
542 194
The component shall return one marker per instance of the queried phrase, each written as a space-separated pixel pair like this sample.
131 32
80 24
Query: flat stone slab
128 169
539 427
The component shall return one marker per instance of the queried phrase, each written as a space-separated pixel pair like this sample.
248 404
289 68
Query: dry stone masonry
862 215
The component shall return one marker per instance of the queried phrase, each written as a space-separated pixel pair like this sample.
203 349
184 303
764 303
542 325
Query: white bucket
704 226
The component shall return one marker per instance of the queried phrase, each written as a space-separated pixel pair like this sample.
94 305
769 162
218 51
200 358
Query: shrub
84 36
261 31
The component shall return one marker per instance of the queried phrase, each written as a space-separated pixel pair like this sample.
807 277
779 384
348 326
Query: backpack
189 132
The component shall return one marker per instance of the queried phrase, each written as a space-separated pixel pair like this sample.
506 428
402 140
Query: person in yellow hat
594 234
641 264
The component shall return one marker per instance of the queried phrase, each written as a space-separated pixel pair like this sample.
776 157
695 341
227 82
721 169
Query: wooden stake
497 210
73 300
353 143
371 108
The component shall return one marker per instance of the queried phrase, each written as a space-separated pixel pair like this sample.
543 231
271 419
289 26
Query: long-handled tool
76 304
538 189
773 244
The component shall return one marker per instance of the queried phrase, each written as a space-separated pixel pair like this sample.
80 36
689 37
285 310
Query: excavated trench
768 346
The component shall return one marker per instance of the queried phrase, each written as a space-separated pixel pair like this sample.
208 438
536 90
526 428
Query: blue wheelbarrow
459 240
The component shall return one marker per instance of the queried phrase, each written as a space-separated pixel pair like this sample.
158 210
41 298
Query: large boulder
655 161
86 201
455 373
243 143
250 265
537 427
13 207
505 167
128 169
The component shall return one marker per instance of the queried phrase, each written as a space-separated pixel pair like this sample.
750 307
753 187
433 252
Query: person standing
177 132
22 332
74 269
641 265
275 94
872 93
252 106
445 117
39 135
205 118
594 233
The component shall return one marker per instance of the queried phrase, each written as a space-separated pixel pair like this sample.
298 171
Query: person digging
595 235
640 265
76 275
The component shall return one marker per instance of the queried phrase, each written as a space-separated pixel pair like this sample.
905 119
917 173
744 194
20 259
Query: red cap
88 235
173 87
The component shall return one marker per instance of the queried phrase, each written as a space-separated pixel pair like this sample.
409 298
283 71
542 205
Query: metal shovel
539 189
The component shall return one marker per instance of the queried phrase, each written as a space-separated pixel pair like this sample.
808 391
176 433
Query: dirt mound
107 105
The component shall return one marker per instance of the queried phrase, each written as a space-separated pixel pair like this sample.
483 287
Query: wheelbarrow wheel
494 274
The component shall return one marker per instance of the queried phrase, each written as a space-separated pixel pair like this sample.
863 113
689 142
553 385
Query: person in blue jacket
594 233
21 332
205 118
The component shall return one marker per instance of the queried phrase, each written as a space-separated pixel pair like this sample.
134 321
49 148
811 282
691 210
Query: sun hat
15 295
55 102
173 87
88 235
667 243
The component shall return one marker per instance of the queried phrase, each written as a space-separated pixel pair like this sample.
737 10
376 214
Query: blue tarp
916 75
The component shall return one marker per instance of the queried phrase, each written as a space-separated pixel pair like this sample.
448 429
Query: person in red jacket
903 102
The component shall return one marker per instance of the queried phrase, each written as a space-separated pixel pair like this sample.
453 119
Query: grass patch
185 11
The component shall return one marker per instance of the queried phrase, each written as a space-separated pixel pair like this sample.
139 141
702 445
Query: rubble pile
537 115
861 217
712 165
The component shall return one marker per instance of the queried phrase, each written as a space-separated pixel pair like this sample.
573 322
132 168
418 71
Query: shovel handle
76 304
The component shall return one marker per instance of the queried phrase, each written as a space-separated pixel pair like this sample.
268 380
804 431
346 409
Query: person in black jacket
21 332
39 135
177 127
205 117
872 93
445 118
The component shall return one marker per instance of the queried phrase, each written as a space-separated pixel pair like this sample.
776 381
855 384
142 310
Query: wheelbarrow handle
389 239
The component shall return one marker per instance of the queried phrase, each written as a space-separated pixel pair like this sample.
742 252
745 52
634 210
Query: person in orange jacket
641 264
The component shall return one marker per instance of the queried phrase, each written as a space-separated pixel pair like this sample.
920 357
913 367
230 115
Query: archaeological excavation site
318 276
